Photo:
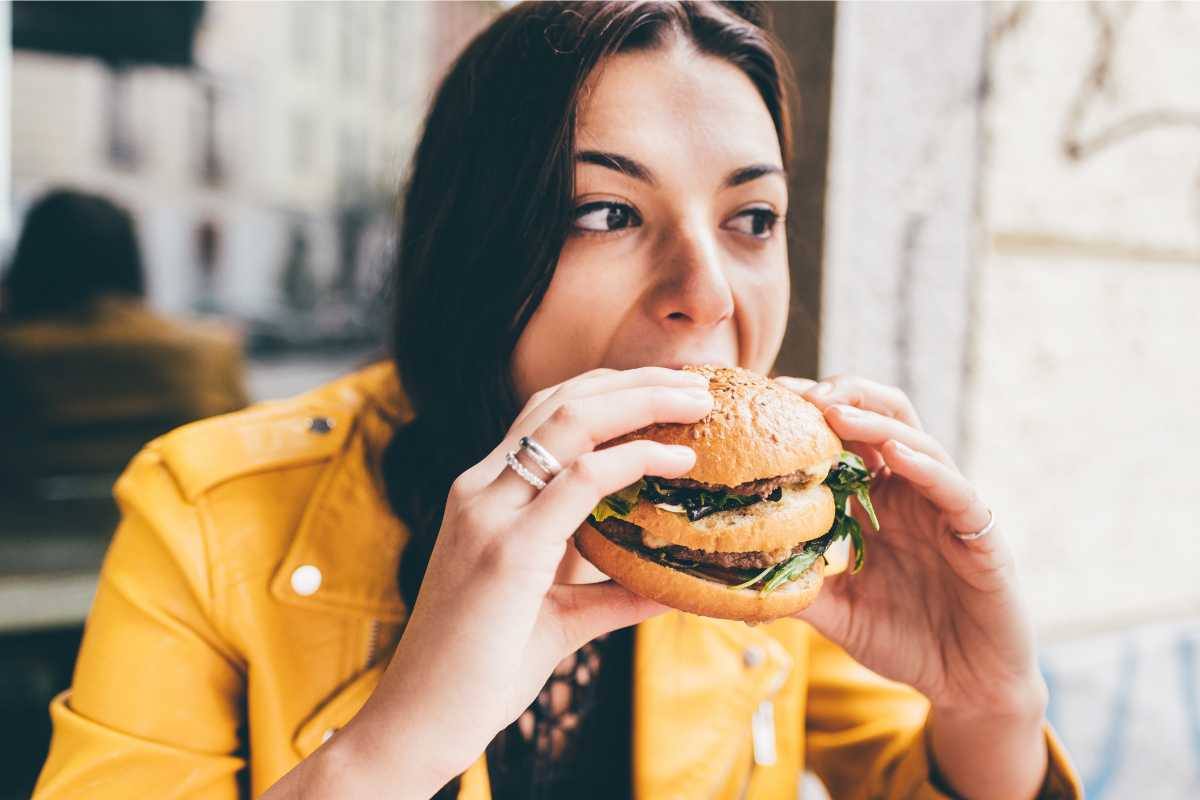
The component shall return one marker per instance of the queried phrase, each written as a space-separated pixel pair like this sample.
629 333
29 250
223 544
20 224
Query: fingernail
696 378
681 451
849 411
821 388
698 394
902 448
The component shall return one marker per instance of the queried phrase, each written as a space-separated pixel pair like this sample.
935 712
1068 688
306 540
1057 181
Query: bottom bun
696 595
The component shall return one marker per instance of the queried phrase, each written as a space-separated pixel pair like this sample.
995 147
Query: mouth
680 363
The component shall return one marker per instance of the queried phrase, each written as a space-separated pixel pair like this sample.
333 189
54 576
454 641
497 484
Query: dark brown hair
74 247
486 210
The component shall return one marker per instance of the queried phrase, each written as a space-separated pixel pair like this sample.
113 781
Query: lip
681 363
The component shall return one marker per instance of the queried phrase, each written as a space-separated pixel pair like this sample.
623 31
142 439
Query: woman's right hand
490 624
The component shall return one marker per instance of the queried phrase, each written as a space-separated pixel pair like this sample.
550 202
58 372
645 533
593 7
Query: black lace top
575 739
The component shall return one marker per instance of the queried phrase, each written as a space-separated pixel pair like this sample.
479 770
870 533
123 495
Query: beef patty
761 487
629 536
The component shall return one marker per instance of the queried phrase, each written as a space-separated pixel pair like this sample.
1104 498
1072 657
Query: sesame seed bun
756 429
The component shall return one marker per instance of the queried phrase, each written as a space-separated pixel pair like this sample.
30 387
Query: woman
597 198
90 373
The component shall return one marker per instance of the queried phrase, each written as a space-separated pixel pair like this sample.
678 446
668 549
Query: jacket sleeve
866 738
155 706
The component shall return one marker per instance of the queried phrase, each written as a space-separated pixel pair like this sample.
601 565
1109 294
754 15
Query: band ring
516 466
979 534
544 459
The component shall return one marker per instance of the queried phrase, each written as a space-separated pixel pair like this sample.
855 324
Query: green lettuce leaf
619 504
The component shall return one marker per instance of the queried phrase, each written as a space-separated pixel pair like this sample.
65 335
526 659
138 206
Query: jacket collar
348 532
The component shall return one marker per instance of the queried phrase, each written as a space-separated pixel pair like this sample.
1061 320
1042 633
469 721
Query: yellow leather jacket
248 604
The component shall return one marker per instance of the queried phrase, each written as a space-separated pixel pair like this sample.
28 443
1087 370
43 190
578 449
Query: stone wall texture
1013 237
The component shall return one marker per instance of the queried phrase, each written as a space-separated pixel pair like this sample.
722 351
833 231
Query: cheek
569 332
763 298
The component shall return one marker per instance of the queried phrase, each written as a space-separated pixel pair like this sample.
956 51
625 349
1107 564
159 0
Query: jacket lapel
349 534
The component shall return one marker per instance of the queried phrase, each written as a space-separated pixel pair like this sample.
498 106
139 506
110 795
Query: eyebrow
635 169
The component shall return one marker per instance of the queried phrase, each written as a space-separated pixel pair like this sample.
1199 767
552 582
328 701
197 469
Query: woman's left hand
928 609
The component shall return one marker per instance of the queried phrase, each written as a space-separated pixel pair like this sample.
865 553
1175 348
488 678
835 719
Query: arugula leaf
756 578
790 570
850 478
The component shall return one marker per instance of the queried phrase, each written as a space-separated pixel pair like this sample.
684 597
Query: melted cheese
652 541
837 557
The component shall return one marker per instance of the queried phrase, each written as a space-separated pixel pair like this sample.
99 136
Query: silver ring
979 534
516 466
541 456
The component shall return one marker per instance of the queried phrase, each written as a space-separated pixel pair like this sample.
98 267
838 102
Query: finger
542 395
797 385
942 485
870 456
868 427
872 459
579 425
826 613
586 611
597 381
865 394
571 496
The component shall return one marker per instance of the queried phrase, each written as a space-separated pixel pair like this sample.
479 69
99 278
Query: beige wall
1013 236
1084 410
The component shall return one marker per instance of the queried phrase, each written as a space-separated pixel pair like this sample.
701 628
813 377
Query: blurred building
264 176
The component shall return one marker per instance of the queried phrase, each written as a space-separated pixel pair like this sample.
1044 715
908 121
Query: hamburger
749 531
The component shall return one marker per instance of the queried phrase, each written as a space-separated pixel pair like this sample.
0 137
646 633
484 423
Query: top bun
757 429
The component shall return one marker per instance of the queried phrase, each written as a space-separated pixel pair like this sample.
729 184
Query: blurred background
997 208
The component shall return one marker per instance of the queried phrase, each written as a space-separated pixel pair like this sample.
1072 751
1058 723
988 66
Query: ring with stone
544 459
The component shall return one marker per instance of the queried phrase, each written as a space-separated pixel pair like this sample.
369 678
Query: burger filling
769 570
728 568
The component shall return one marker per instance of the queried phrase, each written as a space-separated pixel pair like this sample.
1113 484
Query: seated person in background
89 374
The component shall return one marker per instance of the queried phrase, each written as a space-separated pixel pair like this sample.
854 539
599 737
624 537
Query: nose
694 289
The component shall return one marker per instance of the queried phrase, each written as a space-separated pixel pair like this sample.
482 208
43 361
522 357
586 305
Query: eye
756 222
605 216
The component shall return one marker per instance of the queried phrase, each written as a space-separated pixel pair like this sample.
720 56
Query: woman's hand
490 624
928 609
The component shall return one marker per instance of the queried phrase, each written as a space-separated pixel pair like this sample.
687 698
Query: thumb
828 614
588 610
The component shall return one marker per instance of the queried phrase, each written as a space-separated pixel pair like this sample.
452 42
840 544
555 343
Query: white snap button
753 656
328 734
306 580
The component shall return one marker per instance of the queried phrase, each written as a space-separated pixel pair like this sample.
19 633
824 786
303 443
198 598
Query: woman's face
678 253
